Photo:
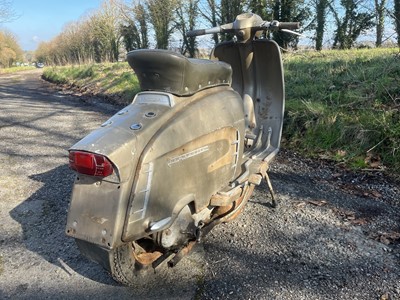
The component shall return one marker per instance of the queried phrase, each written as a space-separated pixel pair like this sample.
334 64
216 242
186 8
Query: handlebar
289 25
197 32
218 29
263 25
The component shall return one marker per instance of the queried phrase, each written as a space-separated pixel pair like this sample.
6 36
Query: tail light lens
90 163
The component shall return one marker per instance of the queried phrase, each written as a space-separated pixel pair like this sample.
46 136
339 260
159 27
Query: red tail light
90 163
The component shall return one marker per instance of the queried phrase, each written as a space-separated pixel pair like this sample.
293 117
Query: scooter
156 177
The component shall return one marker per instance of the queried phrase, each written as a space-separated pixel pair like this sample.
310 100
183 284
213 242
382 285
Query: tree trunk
397 19
321 8
380 21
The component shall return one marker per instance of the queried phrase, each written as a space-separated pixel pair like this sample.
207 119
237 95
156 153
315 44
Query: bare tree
187 13
93 39
211 14
106 35
134 29
10 51
351 24
7 12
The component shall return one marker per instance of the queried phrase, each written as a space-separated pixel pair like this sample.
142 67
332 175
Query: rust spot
227 199
233 210
147 258
246 195
98 220
188 248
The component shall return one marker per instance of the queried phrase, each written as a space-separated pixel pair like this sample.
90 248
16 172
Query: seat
167 71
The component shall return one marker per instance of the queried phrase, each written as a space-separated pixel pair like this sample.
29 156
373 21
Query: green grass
345 102
116 80
16 69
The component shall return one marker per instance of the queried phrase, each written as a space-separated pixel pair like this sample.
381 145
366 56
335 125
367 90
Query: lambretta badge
185 156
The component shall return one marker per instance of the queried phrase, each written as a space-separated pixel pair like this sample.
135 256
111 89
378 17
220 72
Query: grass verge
16 69
116 81
345 106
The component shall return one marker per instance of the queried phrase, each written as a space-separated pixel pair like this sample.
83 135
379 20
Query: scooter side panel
191 158
98 206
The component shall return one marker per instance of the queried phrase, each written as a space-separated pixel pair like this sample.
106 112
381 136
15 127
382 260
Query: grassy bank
344 105
16 69
115 81
341 105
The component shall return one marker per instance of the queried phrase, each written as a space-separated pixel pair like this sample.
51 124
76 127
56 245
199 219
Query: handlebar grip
196 32
289 25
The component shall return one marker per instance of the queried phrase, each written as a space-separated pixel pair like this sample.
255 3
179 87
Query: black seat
167 71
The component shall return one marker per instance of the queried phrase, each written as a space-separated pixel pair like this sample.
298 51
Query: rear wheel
142 257
131 262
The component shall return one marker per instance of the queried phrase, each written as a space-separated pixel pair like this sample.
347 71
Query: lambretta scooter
184 156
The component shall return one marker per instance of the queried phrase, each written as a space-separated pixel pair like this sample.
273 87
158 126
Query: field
340 105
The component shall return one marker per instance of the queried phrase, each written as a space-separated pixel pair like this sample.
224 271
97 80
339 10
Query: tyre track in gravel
333 236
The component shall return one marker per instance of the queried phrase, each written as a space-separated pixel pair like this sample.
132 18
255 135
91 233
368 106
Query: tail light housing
90 163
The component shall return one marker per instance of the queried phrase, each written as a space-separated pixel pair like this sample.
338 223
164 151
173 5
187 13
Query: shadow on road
47 123
43 218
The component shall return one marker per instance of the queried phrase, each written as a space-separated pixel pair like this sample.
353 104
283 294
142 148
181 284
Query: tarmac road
335 234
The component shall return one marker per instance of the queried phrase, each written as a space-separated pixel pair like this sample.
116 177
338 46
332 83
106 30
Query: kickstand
264 173
274 203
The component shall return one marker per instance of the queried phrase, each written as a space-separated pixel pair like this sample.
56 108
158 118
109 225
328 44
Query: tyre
130 263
